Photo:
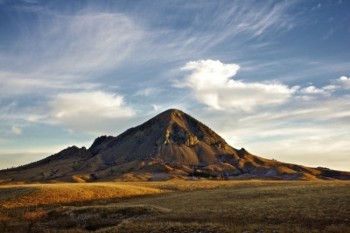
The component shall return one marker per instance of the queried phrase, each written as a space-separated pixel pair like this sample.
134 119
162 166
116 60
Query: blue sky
269 76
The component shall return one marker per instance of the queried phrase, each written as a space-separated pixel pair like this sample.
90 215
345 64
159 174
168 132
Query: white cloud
329 88
341 83
312 90
93 111
344 82
212 84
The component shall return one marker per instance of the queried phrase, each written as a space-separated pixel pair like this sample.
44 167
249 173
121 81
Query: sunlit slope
48 194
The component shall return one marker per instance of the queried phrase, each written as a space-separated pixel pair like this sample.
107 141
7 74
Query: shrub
3 222
33 217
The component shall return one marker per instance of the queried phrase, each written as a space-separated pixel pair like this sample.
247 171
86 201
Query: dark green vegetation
193 206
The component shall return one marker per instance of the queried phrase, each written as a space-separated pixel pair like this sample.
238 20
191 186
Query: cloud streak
15 84
80 43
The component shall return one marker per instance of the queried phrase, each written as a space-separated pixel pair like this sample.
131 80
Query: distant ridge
171 144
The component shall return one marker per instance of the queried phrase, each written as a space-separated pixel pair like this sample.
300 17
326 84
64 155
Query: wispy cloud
185 30
66 53
19 83
258 19
80 43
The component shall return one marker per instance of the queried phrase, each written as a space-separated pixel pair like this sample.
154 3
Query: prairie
177 206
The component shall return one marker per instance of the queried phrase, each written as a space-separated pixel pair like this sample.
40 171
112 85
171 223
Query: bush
3 222
33 217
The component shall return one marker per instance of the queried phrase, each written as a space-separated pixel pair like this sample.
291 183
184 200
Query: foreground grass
51 194
179 206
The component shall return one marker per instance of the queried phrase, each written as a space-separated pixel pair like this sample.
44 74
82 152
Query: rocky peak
171 127
181 128
179 135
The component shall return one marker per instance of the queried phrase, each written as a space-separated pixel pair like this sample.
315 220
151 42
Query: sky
270 76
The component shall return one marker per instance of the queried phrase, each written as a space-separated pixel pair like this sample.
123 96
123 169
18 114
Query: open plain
177 206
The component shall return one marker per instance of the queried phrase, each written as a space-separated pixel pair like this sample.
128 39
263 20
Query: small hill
172 144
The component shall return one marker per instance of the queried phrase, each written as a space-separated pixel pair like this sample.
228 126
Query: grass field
177 206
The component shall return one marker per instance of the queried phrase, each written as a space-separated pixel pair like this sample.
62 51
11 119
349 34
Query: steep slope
172 144
172 137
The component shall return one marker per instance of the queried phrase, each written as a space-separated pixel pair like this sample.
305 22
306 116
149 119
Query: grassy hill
177 206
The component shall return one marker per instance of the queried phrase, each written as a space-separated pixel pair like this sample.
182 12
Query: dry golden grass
25 195
201 184
49 194
186 206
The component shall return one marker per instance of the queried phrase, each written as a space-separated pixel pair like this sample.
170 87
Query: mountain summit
171 144
170 137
